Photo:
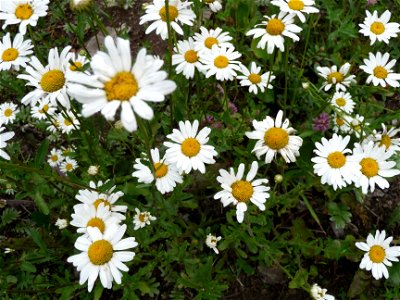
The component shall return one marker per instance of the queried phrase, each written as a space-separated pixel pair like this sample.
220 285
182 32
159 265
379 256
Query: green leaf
9 215
299 280
312 212
41 154
35 235
40 203
339 213
28 267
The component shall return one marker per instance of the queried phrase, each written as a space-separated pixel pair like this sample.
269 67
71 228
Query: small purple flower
322 122
232 107
371 2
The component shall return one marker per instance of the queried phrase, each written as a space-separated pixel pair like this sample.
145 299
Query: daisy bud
61 223
79 5
278 178
93 170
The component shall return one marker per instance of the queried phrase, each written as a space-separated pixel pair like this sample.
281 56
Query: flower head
343 101
211 242
61 223
297 7
8 113
186 58
14 53
206 39
378 28
254 80
340 79
141 219
322 122
319 293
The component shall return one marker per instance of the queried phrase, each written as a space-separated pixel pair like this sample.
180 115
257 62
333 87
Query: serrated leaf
340 214
40 203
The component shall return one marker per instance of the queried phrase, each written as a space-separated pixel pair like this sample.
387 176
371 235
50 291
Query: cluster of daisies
61 159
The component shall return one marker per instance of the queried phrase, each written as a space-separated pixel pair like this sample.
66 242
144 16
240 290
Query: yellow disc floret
44 109
337 75
296 4
52 81
221 61
96 222
210 41
8 112
377 28
254 78
101 200
377 254
121 87
23 11
336 159
100 252
191 56
190 147
369 167
340 101
75 66
380 72
160 169
275 26
276 138
242 190
386 140
10 54
173 13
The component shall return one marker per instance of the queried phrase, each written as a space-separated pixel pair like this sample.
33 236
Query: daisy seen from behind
186 58
214 5
380 71
254 80
179 13
341 79
188 148
212 241
333 162
14 54
275 136
141 219
388 138
22 12
374 166
103 255
379 255
206 39
297 7
273 31
4 137
119 83
343 101
8 113
378 28
319 293
240 191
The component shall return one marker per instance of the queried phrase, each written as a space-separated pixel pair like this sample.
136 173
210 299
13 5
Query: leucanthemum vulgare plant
199 149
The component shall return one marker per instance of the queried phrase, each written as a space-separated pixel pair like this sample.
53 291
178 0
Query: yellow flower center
121 87
52 81
44 109
380 72
190 147
142 217
67 122
296 4
8 112
23 11
276 138
386 140
377 254
221 61
377 27
275 26
161 169
337 75
340 101
10 54
97 222
254 78
191 56
54 157
68 167
336 159
172 11
242 190
100 252
75 66
99 201
369 167
210 41
339 121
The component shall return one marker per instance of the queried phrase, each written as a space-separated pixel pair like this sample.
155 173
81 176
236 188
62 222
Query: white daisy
343 101
275 137
42 108
357 125
61 223
340 79
387 138
374 166
8 113
297 7
22 12
186 58
273 31
239 191
76 62
254 80
379 28
55 157
189 149
4 137
14 54
206 39
379 254
319 293
68 165
333 162
117 83
101 255
341 123
93 170
68 122
214 5
211 242
166 175
221 62
380 70
141 219
50 81
179 12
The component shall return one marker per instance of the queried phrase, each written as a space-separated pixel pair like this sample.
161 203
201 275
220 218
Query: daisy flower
61 223
387 138
357 125
221 62
14 54
206 39
8 112
379 28
240 191
166 175
188 149
275 137
117 83
211 242
42 108
101 255
374 166
178 11
297 7
379 254
67 122
186 58
319 293
4 137
55 157
343 101
68 165
76 62
380 70
333 162
87 215
214 5
141 219
50 81
254 80
273 31
340 79
22 12
341 123
93 170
